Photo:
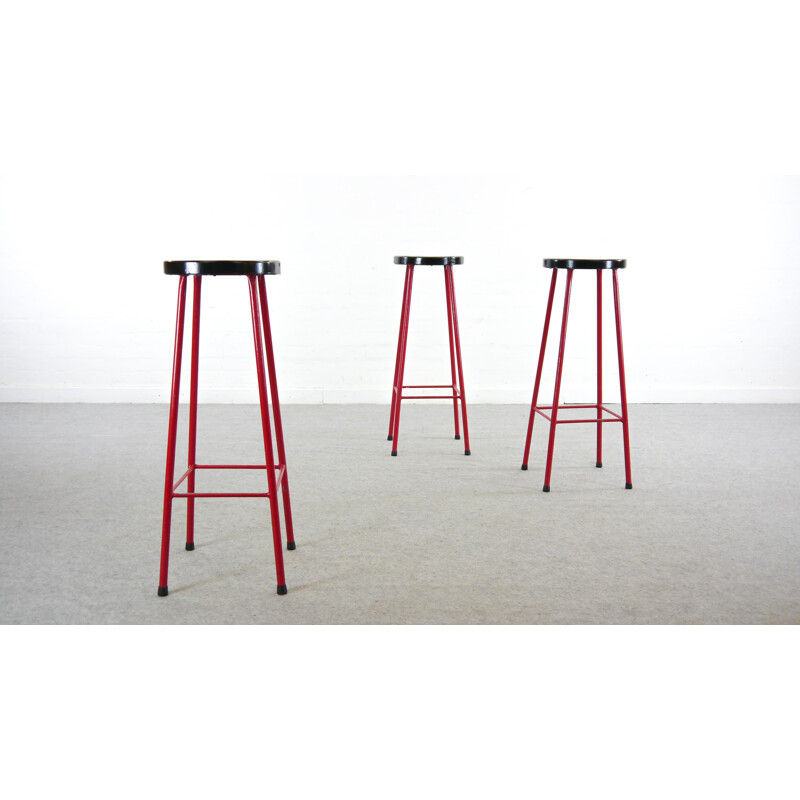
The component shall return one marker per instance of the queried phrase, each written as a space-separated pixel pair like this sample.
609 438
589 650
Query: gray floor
709 533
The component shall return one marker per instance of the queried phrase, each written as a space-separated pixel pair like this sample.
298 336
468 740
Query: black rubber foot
190 545
394 452
629 486
388 438
458 436
524 466
282 588
466 452
163 591
599 464
545 488
291 546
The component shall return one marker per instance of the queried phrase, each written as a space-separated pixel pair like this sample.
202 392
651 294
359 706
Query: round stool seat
222 267
584 263
419 261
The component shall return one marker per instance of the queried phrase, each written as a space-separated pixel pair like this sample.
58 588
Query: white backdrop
175 131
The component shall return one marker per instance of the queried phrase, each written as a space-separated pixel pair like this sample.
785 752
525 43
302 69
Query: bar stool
457 385
570 265
276 474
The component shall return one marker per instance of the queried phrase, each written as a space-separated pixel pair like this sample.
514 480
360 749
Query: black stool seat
584 263
222 267
419 261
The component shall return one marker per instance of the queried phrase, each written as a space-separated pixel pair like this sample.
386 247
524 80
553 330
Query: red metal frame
599 420
276 412
557 391
456 368
172 435
599 459
537 382
450 341
622 392
196 286
276 472
400 339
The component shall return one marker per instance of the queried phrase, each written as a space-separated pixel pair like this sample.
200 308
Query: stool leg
457 339
267 432
400 337
452 352
172 436
401 364
599 460
276 412
622 392
557 392
193 411
536 383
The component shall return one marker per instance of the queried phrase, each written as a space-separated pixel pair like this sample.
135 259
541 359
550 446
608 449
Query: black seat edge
584 263
428 260
222 267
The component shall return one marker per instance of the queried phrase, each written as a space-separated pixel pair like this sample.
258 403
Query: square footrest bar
455 396
279 467
613 418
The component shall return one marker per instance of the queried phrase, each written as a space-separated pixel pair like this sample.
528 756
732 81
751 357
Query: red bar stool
275 471
457 385
571 264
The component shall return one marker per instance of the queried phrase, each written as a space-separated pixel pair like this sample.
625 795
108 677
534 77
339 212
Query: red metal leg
401 364
193 411
457 340
557 392
599 460
265 426
622 392
172 437
400 337
276 412
542 349
452 351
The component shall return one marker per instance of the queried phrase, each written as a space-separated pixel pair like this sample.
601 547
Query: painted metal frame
276 471
599 419
457 393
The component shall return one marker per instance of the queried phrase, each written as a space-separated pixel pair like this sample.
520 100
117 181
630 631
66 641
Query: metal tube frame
622 391
459 390
599 460
276 412
272 487
172 436
537 382
450 341
276 472
599 420
397 392
456 367
195 362
557 391
400 339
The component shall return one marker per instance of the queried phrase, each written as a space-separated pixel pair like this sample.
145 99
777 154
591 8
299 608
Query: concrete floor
708 535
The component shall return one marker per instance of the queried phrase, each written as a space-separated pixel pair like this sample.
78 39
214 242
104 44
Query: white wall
172 131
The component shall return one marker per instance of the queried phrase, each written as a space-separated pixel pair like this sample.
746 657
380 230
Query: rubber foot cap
466 452
524 466
599 464
545 488
458 436
291 546
282 588
394 452
629 486
388 438
163 591
190 545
